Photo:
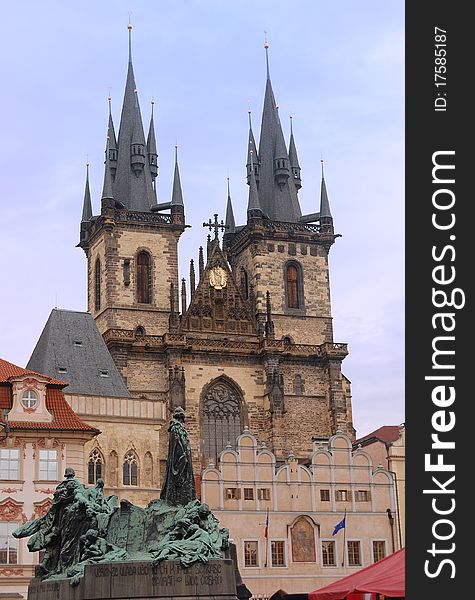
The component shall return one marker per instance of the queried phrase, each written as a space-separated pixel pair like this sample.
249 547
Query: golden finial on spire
266 43
129 26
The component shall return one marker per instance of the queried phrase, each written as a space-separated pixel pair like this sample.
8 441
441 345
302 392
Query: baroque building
40 435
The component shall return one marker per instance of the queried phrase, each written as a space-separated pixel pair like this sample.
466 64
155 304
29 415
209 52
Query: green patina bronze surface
83 527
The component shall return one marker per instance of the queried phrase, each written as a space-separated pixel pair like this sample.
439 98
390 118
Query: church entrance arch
222 417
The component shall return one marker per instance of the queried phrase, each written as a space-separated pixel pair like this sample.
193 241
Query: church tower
132 245
248 343
280 257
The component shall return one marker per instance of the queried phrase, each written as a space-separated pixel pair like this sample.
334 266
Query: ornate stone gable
217 304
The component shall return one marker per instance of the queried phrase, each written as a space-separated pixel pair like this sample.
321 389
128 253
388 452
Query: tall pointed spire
133 179
277 192
87 204
294 159
177 195
229 221
152 147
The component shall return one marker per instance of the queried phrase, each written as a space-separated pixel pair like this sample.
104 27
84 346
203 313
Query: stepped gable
217 304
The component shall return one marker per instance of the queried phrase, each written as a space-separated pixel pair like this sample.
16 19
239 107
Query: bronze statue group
84 527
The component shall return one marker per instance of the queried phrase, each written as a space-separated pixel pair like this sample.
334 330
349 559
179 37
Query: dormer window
29 399
62 370
103 373
77 343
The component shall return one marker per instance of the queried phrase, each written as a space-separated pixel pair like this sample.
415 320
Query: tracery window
97 285
130 469
95 466
222 419
143 278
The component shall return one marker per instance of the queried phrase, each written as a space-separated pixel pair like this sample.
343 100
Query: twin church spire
273 171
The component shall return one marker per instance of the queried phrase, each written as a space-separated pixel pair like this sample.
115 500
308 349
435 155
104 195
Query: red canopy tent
385 577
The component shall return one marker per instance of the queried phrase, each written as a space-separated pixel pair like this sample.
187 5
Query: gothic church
245 343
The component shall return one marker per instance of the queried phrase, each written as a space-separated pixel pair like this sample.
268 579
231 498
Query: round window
29 399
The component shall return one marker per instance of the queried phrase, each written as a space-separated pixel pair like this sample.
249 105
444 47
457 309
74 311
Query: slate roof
65 419
71 347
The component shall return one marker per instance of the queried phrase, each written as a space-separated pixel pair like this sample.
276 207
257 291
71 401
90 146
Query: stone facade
304 500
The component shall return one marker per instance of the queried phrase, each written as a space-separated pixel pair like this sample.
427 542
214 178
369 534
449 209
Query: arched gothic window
293 286
144 280
222 419
130 469
97 285
95 467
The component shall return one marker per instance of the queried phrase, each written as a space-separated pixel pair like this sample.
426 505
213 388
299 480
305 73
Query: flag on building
266 531
340 525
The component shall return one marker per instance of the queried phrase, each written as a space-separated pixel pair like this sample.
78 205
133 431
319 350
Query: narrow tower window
143 278
97 285
293 286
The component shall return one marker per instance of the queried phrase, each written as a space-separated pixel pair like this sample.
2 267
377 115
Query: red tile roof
386 434
65 419
8 369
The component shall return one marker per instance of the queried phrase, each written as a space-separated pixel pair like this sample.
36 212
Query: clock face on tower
218 278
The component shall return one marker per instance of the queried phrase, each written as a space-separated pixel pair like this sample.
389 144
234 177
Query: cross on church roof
216 225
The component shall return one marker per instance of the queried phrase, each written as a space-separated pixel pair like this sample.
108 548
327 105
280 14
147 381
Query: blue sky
337 66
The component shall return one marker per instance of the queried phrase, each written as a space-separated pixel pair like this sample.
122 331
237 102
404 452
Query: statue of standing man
179 485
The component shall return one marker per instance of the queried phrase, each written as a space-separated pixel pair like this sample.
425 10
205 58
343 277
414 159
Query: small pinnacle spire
201 262
183 296
324 202
107 187
253 205
152 147
230 222
192 277
251 153
294 160
87 205
177 195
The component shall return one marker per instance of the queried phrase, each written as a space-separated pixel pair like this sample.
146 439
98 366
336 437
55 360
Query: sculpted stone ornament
218 278
82 527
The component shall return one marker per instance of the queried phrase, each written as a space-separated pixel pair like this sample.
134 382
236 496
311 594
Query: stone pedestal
137 580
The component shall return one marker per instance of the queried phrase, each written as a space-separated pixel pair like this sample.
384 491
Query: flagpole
267 535
344 541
